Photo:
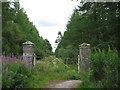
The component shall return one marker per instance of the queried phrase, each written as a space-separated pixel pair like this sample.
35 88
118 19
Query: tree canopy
95 23
16 29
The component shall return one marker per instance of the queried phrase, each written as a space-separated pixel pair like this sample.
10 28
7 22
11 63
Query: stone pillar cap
28 43
84 44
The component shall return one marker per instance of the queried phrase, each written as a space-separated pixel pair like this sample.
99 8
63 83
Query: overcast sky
49 16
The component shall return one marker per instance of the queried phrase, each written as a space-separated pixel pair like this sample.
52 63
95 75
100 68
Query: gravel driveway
70 84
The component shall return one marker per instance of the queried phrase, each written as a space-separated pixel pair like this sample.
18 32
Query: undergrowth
45 70
103 73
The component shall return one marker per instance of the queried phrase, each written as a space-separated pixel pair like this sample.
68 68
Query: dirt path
63 84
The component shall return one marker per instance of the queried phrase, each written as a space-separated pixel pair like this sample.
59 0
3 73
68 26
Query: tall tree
17 29
92 22
58 39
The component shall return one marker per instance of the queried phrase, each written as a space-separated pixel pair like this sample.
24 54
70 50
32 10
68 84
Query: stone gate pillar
83 60
28 51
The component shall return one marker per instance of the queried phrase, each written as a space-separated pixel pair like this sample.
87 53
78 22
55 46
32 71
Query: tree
58 40
92 22
48 45
17 29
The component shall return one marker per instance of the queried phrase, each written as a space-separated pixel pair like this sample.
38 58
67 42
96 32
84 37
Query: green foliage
111 70
16 77
16 29
54 69
97 64
45 70
95 23
92 22
67 52
104 66
88 84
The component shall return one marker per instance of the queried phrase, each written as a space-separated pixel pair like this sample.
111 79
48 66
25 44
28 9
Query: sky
49 16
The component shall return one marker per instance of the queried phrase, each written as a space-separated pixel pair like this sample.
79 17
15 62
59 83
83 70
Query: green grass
48 69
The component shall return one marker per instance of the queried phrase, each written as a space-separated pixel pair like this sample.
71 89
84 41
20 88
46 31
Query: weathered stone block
84 54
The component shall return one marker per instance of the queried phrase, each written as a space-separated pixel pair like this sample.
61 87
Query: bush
21 76
104 67
111 70
97 65
16 76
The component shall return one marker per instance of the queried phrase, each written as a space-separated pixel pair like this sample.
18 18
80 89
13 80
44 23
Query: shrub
111 69
16 76
104 67
97 65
